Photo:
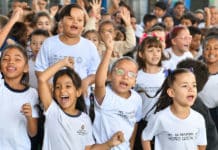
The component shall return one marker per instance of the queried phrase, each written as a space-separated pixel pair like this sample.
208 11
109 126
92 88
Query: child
210 56
36 39
120 47
118 107
151 74
93 36
66 124
168 22
202 74
70 43
180 40
176 125
149 79
18 113
43 21
195 46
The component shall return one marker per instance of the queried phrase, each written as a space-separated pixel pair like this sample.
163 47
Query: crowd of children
76 77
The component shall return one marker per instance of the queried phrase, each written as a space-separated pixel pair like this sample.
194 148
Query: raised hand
108 40
17 14
96 6
125 15
68 62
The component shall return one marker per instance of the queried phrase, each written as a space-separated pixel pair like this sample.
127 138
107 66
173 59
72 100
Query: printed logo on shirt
128 116
57 58
82 131
182 136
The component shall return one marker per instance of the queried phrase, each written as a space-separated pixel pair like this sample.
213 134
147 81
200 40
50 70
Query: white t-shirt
66 132
13 124
116 114
85 54
150 83
171 132
174 59
209 94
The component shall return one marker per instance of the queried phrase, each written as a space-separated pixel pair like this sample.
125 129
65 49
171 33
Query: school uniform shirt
171 132
174 59
84 53
209 92
116 114
150 83
13 123
66 132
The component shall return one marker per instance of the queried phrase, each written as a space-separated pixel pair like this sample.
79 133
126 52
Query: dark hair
164 99
25 78
18 33
212 33
39 32
194 30
65 11
191 17
199 69
178 3
148 18
161 5
3 20
40 14
80 103
148 42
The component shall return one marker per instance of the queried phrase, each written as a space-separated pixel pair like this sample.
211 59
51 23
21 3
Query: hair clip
167 72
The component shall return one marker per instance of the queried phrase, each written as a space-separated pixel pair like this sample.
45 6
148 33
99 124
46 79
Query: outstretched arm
116 139
43 80
101 74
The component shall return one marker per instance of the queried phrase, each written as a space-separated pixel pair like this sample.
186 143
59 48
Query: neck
213 68
177 52
14 84
152 69
69 40
180 111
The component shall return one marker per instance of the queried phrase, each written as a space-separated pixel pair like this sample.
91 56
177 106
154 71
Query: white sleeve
42 59
153 128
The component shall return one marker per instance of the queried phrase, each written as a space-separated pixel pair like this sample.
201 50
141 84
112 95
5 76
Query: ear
140 55
170 92
26 68
79 92
173 42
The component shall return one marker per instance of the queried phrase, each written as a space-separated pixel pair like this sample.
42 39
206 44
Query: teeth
64 96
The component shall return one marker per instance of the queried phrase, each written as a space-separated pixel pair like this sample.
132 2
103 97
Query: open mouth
64 99
74 27
11 69
123 84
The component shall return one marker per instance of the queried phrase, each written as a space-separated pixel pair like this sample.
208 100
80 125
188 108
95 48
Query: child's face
196 42
210 52
123 78
168 21
107 28
182 41
94 38
66 93
152 56
44 23
159 12
36 43
179 10
73 24
186 22
184 90
13 64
